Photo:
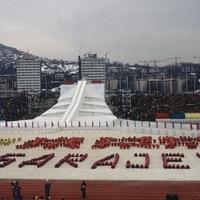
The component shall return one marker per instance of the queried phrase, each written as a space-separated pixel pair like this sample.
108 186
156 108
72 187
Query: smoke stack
79 64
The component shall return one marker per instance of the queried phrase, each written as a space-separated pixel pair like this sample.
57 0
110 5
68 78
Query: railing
122 126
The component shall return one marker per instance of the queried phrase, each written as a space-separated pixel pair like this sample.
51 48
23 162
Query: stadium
79 138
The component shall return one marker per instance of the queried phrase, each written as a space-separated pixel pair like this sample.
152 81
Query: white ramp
81 102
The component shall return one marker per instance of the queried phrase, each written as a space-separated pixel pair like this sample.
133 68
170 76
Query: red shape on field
105 161
5 159
141 166
40 161
72 159
174 158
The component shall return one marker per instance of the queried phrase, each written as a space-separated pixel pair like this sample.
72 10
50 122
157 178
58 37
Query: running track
102 190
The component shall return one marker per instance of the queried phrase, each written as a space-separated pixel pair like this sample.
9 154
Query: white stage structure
79 103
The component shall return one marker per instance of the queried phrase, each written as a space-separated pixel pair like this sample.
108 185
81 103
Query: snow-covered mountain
9 56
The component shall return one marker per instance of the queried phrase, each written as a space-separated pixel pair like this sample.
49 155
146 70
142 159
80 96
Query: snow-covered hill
9 56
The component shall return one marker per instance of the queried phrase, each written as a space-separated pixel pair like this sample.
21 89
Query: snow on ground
84 171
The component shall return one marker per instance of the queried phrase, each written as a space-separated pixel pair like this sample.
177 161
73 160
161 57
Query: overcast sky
129 30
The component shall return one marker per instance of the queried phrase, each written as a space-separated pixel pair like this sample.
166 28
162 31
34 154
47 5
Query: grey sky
129 30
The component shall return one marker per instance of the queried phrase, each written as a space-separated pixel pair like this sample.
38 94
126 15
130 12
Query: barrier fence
102 124
177 115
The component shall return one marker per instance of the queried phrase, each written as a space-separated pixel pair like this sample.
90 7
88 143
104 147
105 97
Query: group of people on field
16 191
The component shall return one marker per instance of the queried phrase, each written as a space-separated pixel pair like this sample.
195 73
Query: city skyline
129 31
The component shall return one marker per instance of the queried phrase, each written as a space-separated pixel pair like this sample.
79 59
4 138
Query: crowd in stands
13 108
144 107
24 106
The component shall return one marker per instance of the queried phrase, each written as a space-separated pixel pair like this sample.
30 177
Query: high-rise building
7 82
29 75
93 68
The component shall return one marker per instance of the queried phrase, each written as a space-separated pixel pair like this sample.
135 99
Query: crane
144 62
197 57
175 59
155 62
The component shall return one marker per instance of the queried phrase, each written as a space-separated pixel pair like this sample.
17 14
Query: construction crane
144 62
155 62
175 59
106 55
146 65
197 57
